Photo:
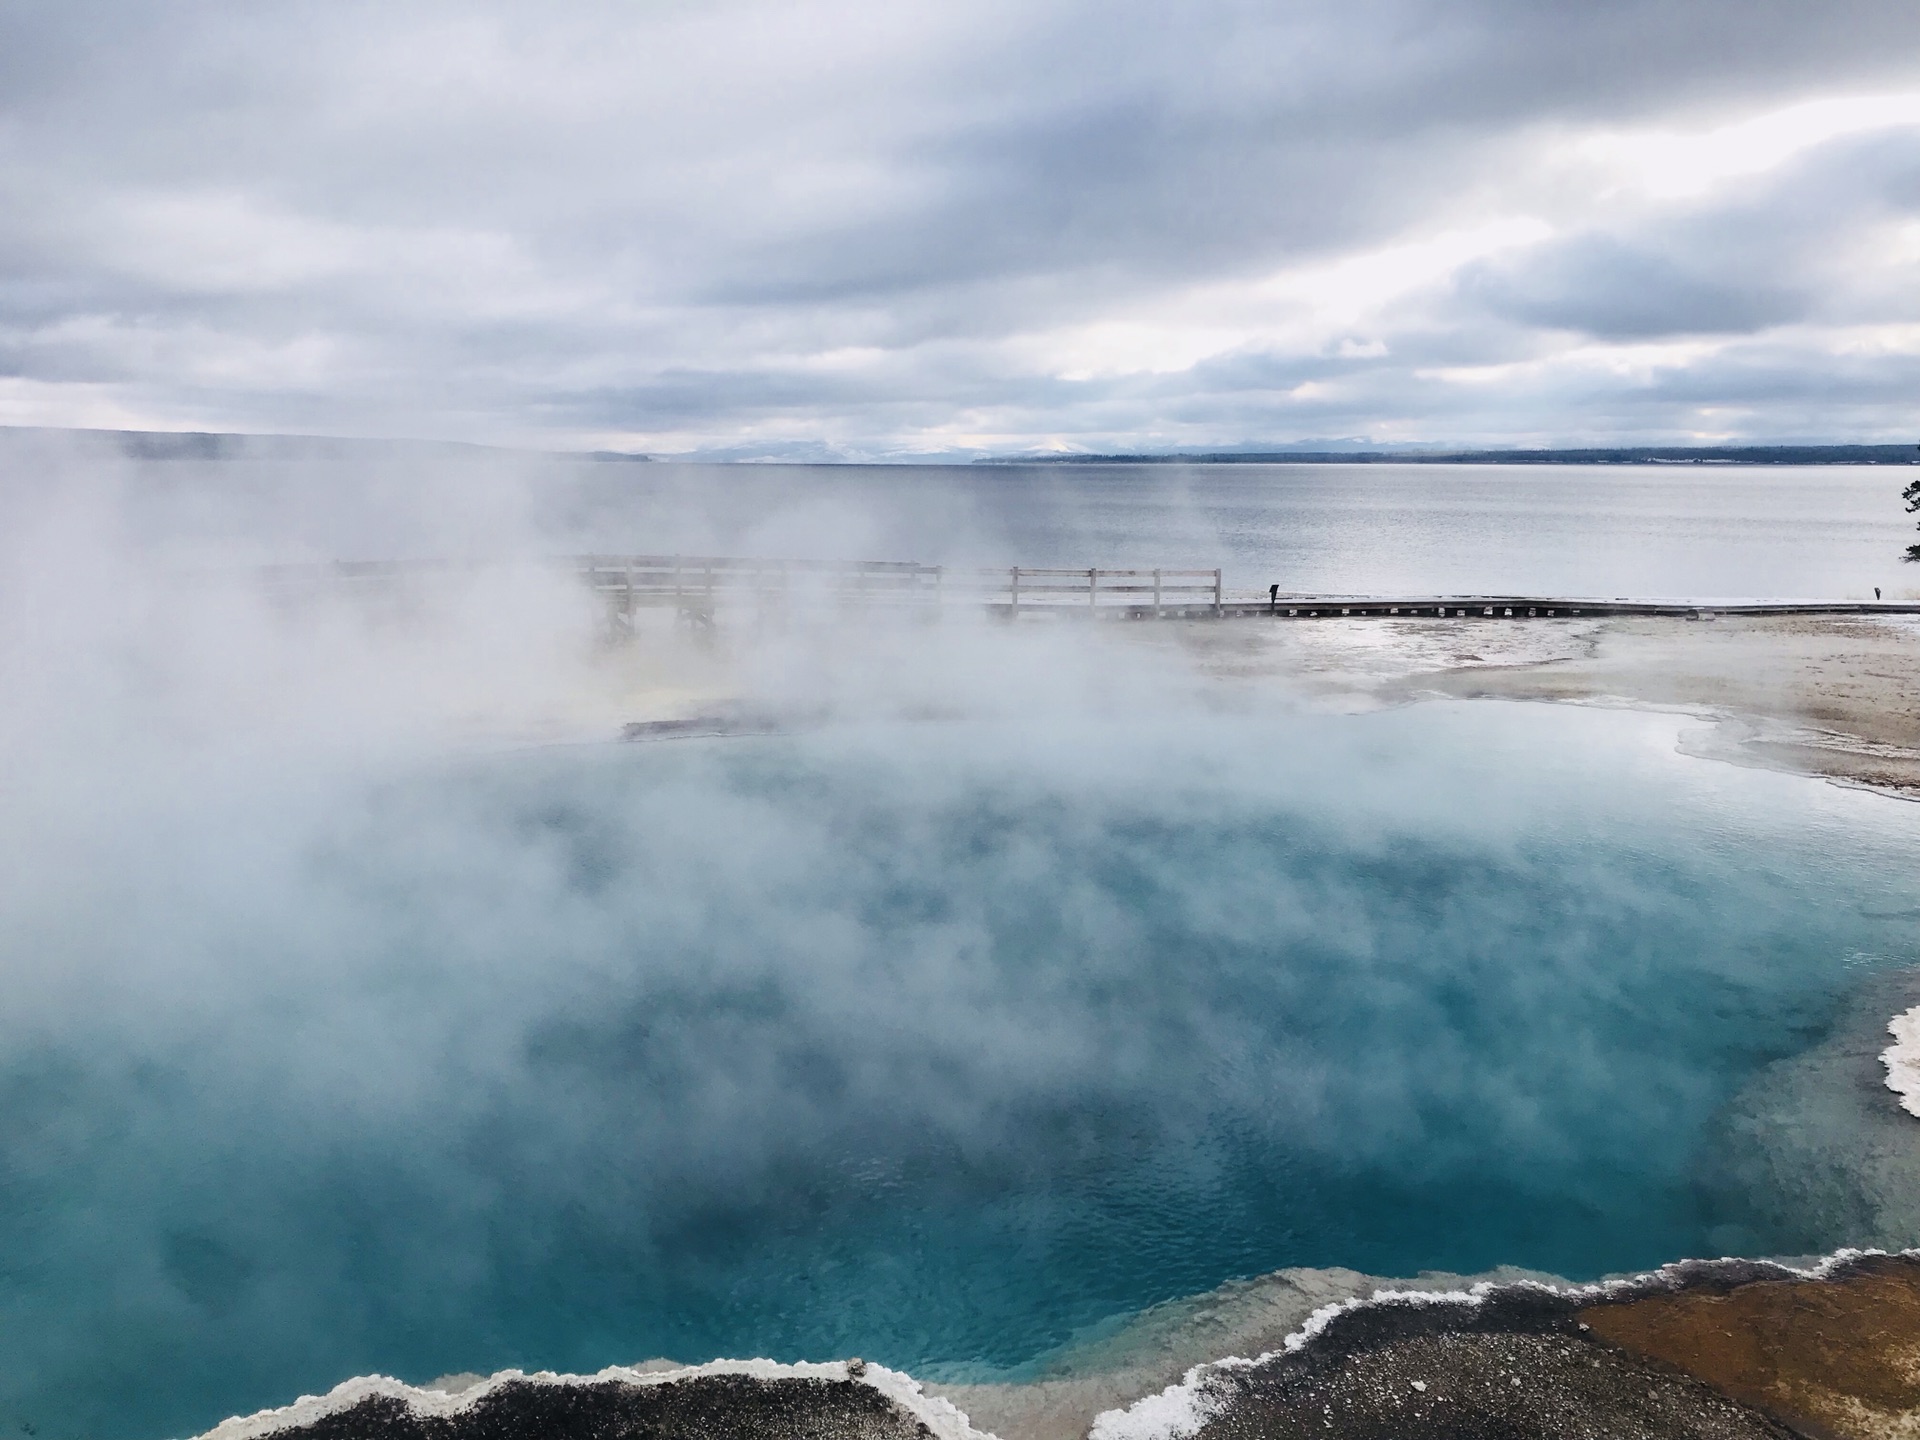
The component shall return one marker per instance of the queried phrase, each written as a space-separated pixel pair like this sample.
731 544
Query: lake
1656 531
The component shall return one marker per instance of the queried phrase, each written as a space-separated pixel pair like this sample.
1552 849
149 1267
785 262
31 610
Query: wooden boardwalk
699 585
1537 607
698 588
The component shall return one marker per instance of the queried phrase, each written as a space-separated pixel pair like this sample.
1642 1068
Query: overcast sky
968 224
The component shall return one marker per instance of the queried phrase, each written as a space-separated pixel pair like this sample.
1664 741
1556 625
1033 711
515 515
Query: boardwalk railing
695 585
700 582
1151 590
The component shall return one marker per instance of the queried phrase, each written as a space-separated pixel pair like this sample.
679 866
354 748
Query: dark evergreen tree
1912 496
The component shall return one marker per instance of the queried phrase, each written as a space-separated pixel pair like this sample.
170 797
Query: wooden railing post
696 585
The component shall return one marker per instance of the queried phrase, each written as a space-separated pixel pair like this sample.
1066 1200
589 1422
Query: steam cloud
1031 980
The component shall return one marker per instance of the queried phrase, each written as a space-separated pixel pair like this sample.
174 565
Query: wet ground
1725 1350
1721 1350
698 1409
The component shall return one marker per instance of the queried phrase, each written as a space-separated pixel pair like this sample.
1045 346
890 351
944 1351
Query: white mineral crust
1902 1059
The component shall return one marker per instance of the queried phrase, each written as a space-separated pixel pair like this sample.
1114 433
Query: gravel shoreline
1703 1349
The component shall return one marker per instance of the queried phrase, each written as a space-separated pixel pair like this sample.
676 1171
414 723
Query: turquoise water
932 1043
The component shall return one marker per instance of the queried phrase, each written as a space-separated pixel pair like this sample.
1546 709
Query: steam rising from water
339 1035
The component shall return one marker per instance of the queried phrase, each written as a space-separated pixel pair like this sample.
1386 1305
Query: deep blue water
933 1043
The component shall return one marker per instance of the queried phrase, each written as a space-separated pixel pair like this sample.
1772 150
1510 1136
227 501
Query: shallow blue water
934 1044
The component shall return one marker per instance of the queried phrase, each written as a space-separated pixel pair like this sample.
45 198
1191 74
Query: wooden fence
698 585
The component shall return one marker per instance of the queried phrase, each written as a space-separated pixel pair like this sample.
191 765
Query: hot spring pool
932 1043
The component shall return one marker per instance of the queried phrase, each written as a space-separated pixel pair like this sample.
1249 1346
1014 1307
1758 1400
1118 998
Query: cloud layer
939 227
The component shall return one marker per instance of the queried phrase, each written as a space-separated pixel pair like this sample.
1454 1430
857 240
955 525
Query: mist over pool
938 1043
367 1008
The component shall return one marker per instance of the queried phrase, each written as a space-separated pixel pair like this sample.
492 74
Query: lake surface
1659 531
933 1043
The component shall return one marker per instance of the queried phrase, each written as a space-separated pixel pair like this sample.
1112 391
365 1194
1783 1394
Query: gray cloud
1603 287
699 223
1790 250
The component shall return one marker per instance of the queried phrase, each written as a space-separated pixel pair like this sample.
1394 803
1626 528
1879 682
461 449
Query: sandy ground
1837 696
1839 1358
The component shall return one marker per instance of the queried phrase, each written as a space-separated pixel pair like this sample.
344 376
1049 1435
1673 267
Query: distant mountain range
211 445
216 446
1609 455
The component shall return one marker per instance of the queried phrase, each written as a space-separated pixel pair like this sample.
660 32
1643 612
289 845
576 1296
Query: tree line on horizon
1898 454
